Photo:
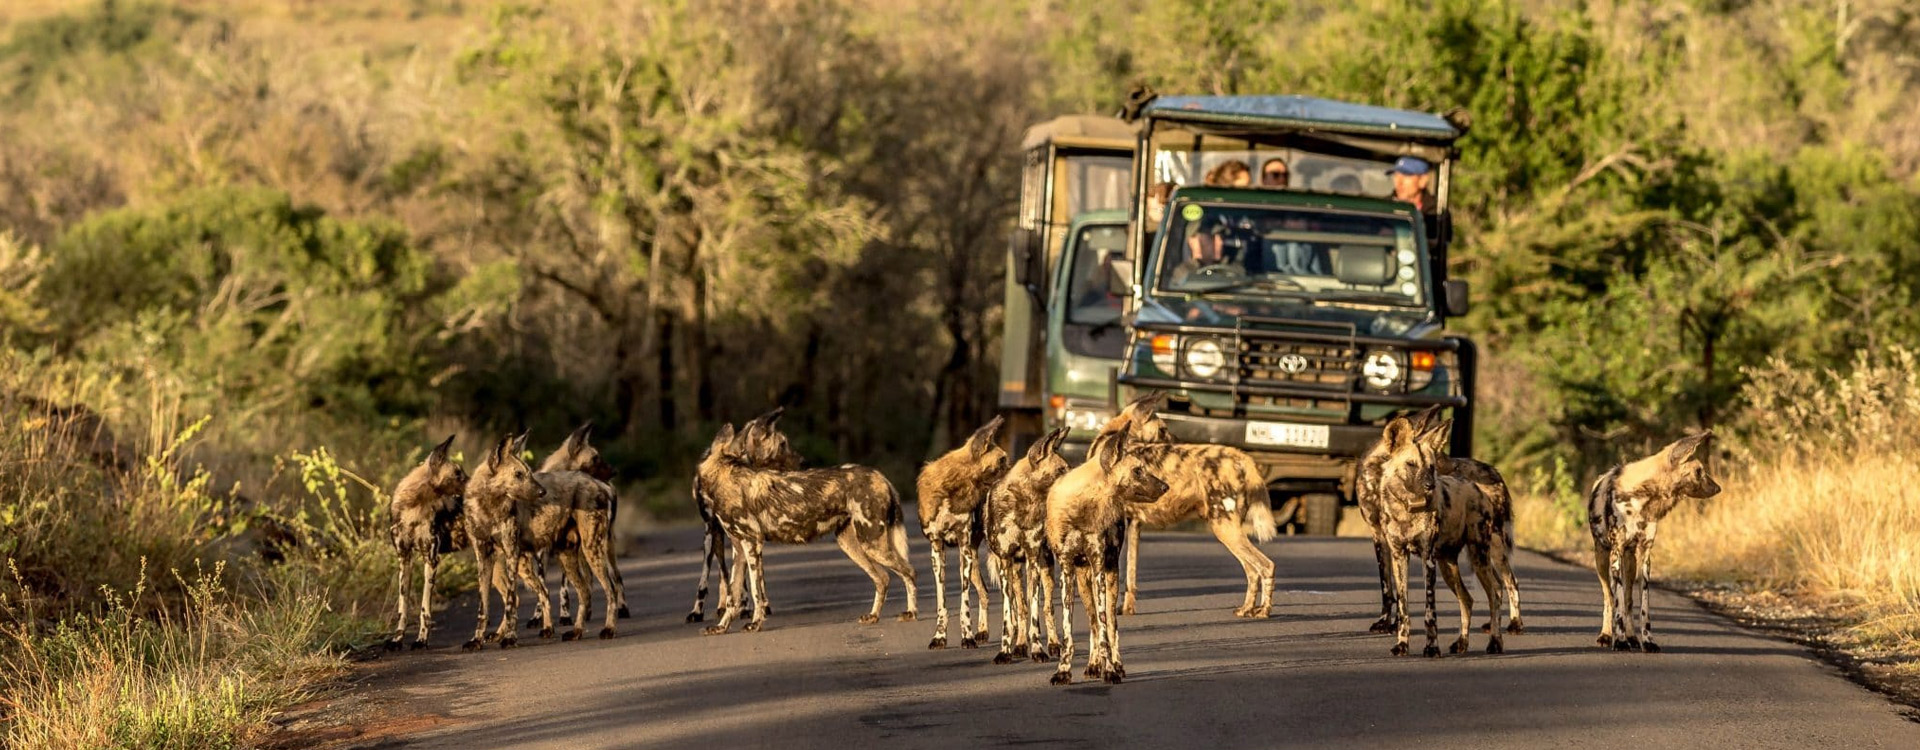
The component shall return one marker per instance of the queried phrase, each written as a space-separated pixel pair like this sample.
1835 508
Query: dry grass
135 608
1821 502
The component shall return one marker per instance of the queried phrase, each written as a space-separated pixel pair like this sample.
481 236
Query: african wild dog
500 487
952 493
572 522
426 523
766 448
1219 483
1086 516
1367 494
577 454
757 505
1430 506
1624 508
1016 530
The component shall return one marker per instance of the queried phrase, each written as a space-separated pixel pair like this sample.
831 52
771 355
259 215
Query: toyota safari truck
1294 321
1077 173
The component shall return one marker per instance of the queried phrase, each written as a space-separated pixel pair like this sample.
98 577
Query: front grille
1318 366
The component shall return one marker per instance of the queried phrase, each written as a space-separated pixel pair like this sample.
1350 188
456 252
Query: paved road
1196 677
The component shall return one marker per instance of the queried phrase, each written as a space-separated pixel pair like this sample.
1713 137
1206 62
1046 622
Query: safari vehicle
1058 365
1294 322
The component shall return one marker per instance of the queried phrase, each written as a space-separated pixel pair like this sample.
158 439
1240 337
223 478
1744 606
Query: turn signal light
1163 344
1422 360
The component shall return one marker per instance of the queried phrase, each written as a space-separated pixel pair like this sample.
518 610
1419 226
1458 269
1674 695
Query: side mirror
1020 247
1455 291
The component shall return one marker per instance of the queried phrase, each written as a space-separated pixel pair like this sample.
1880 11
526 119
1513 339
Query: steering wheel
1221 270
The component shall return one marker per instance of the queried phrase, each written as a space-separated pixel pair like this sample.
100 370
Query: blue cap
1410 165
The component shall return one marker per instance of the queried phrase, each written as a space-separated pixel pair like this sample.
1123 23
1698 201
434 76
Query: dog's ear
1435 437
500 450
1687 448
520 443
1111 455
722 440
439 454
1399 432
982 439
577 439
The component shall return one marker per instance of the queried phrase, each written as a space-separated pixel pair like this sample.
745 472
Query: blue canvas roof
1303 112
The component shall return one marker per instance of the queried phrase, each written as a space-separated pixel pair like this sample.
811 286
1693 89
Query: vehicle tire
1322 514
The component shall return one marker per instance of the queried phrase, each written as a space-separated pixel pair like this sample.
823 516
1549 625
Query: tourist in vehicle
1410 177
1273 173
1230 173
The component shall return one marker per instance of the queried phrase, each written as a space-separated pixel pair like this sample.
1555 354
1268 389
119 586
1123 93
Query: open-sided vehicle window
1098 257
1320 255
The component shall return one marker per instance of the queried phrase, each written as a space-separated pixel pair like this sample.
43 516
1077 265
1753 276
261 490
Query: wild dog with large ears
500 486
1016 529
425 510
1624 509
952 495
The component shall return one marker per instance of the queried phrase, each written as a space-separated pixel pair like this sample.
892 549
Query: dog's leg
939 595
428 568
1432 622
400 627
1644 555
1133 566
483 565
1063 674
1449 564
754 551
849 541
1386 623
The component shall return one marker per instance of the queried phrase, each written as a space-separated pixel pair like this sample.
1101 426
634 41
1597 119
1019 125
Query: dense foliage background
354 224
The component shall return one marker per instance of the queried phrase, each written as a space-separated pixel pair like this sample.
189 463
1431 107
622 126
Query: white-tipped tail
1260 515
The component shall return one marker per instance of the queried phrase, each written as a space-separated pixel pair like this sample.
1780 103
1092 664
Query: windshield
1096 249
1312 255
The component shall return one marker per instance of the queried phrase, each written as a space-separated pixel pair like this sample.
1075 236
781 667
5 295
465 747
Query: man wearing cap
1410 177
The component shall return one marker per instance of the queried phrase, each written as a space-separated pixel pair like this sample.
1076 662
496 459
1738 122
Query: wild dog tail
1259 509
1260 514
896 521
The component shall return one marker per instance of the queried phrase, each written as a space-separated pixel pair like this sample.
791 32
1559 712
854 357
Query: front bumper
1343 441
1280 391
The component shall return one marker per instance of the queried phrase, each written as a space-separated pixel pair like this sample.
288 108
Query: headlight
1084 419
1205 358
1382 369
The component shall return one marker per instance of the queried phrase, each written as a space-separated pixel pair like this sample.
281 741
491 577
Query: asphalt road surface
1196 676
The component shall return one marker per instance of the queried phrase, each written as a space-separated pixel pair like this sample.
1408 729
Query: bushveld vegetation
254 258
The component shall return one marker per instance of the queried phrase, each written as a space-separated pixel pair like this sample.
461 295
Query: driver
1208 239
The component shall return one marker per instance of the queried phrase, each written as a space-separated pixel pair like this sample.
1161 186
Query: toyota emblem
1292 364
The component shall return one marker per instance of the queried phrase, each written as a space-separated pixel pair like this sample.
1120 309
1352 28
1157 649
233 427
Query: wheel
1322 514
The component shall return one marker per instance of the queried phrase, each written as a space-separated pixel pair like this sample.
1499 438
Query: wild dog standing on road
766 448
953 491
573 522
1369 497
1086 513
495 495
1219 483
426 523
1624 508
1016 518
757 505
576 454
1429 506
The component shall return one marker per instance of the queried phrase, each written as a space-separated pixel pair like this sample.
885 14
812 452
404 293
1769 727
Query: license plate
1282 433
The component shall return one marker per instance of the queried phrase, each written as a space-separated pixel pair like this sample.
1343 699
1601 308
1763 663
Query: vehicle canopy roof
1289 199
1081 131
1383 131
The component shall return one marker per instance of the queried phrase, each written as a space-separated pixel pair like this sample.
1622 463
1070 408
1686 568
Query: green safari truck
1293 321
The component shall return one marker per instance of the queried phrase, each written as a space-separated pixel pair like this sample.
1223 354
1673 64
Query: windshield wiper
1235 286
1359 296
